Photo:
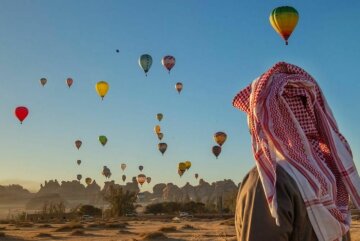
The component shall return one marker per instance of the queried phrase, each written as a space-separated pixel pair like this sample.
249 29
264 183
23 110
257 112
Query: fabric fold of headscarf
292 125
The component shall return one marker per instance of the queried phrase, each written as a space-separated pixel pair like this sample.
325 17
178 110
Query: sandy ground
117 230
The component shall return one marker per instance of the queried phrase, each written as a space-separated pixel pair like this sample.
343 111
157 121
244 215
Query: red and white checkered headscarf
292 125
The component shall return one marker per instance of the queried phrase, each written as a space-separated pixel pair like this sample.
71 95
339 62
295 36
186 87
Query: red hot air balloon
21 113
69 82
168 62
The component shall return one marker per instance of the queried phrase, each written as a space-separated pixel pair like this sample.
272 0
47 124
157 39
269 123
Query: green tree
121 201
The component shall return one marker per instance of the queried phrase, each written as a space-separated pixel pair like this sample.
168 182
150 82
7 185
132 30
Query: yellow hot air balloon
284 20
102 88
182 166
157 129
141 179
188 165
220 138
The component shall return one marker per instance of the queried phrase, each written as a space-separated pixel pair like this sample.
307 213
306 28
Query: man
305 174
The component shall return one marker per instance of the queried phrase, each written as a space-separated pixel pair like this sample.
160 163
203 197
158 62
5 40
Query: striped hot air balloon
284 20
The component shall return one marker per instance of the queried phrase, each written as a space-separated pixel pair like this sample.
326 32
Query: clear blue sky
220 46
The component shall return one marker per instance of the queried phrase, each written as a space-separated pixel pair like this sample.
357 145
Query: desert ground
130 230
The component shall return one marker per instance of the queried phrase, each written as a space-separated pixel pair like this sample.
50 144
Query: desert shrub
2 234
43 235
153 236
90 210
188 226
175 207
121 201
77 232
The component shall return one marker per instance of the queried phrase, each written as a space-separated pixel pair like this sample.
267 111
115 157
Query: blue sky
220 47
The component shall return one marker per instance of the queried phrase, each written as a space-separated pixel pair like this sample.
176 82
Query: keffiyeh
292 125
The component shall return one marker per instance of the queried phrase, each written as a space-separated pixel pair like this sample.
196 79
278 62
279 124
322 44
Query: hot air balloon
78 162
182 166
78 144
216 150
145 62
134 179
123 166
284 20
220 138
69 82
159 116
141 179
168 62
160 136
106 172
102 88
141 168
79 176
148 179
162 147
157 129
21 113
117 51
180 173
43 81
188 165
179 87
103 140
196 175
123 178
88 180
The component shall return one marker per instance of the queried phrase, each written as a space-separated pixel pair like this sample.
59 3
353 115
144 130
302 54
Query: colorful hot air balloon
157 129
43 81
103 140
21 113
69 82
284 20
216 150
123 178
88 180
196 175
78 162
162 147
220 138
123 166
148 179
159 116
102 88
145 62
160 136
141 179
168 62
79 176
78 144
179 87
188 165
141 168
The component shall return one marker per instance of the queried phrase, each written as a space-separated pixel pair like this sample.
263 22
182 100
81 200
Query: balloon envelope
196 175
162 147
123 166
160 136
88 180
78 162
159 116
216 150
123 178
157 129
78 144
79 177
188 165
69 82
106 172
179 87
21 113
220 138
103 140
141 179
182 166
141 168
102 88
43 81
148 179
145 62
168 62
284 20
